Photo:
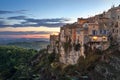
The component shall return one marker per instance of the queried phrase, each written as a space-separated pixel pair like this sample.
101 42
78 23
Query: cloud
24 21
9 12
17 17
1 18
36 25
24 33
3 24
38 20
5 12
47 20
32 22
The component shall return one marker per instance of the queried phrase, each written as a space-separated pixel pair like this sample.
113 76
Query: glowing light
104 37
95 38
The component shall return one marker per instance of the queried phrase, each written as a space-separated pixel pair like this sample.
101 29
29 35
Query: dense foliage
14 62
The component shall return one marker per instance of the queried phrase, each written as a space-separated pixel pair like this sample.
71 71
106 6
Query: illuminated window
104 38
95 38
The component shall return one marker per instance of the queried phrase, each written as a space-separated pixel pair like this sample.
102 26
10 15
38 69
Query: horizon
40 18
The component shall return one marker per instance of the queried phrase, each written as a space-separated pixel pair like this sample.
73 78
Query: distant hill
29 43
4 41
37 45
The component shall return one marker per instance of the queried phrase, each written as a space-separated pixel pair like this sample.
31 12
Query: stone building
67 44
95 32
98 37
74 36
114 15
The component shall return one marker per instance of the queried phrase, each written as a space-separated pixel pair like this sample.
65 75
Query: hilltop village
97 32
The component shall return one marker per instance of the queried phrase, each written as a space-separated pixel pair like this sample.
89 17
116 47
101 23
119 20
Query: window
95 38
113 30
104 32
113 17
100 31
116 25
78 31
94 32
104 38
117 31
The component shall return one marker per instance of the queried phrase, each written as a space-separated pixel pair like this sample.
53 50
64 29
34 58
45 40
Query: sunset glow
56 29
25 29
26 36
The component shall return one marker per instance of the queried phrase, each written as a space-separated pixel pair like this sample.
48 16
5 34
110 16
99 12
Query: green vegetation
37 45
67 46
14 62
24 64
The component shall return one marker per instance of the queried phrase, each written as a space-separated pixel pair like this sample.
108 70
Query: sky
40 18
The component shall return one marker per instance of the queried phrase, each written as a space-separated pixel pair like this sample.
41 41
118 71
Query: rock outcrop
108 68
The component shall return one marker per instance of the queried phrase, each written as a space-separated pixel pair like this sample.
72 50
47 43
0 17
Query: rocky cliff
98 65
108 68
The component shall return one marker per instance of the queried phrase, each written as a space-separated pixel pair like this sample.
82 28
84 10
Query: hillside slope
22 64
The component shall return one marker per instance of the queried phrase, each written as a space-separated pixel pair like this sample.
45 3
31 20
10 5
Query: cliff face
70 58
108 68
98 65
70 53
